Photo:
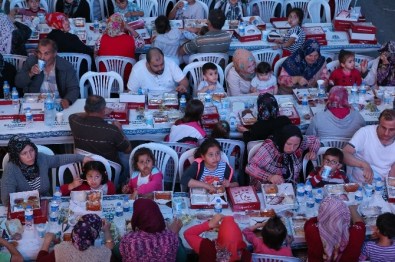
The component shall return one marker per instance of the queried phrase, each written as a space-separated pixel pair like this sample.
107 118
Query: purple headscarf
86 231
386 73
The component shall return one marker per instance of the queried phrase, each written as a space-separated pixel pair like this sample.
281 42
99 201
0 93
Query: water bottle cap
218 200
28 207
119 204
57 188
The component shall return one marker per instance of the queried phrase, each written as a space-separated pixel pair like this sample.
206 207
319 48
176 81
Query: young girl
383 249
274 233
189 129
295 37
208 168
346 74
264 81
130 10
94 177
146 178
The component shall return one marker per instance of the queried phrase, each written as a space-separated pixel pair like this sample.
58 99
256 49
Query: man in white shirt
157 74
371 151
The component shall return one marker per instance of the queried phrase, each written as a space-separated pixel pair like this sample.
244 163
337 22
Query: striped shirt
210 176
211 42
375 253
299 35
35 183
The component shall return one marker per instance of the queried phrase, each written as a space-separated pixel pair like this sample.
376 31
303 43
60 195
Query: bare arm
351 160
182 86
173 12
355 217
392 171
196 183
15 255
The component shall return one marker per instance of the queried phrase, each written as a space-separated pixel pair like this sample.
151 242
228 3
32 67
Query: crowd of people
369 151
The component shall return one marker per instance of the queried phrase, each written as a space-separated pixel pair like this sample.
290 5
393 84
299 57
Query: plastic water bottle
119 219
57 195
232 122
183 103
140 91
308 189
208 100
358 196
15 97
29 116
49 111
354 94
53 220
321 94
319 196
6 91
378 186
218 206
29 218
305 105
96 26
241 29
126 204
387 98
310 203
54 206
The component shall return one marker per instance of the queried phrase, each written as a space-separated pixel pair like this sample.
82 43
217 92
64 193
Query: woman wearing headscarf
149 240
229 246
268 120
27 169
74 8
13 36
382 72
303 68
338 119
81 247
336 234
240 75
279 159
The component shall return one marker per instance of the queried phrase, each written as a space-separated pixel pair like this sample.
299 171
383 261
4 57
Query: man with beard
157 74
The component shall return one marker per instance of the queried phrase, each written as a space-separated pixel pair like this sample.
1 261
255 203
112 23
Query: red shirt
339 78
66 192
315 250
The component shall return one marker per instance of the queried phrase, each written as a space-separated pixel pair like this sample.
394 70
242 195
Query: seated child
221 130
210 82
295 37
383 248
94 177
264 81
231 8
146 178
130 10
33 9
333 157
346 74
208 168
274 233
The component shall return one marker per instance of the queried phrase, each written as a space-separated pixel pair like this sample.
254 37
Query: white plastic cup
59 117
41 64
320 83
326 172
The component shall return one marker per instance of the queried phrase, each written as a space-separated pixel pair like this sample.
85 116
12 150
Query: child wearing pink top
147 178
274 233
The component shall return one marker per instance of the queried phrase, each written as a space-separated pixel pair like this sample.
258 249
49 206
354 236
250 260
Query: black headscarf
267 107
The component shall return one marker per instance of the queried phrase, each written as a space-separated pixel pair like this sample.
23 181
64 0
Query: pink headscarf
230 238
55 20
333 224
338 102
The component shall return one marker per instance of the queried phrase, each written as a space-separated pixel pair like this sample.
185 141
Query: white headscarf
6 28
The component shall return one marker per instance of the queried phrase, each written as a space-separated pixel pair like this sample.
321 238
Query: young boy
210 82
333 157
346 74
32 10
231 8
264 81
130 10
383 249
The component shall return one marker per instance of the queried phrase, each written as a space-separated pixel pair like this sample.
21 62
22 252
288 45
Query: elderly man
214 41
371 151
157 74
93 134
57 76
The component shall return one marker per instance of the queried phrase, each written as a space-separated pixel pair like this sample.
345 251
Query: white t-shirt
218 88
195 11
369 148
142 180
166 82
264 86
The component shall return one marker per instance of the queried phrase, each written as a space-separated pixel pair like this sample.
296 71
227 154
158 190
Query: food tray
243 198
297 226
247 118
84 202
391 189
163 197
201 199
312 94
284 198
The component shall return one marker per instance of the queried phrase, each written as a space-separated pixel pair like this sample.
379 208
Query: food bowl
351 187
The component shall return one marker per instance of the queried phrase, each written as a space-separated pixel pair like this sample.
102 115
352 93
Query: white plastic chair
253 150
116 64
15 60
149 7
216 58
163 154
341 5
205 7
360 58
338 142
302 4
332 66
51 5
277 66
74 168
251 144
227 68
228 147
328 55
267 55
208 4
100 83
23 4
266 8
271 258
314 10
162 6
76 59
196 74
315 162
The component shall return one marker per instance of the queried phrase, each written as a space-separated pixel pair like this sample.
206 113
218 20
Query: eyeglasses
94 178
331 162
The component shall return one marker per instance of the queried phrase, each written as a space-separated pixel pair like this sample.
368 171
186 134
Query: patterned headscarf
386 73
147 216
338 98
115 25
333 224
6 29
230 240
267 107
244 63
55 20
296 64
86 231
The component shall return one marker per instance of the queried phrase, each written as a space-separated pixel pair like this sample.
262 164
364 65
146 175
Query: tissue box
252 33
243 198
133 101
8 111
119 112
315 32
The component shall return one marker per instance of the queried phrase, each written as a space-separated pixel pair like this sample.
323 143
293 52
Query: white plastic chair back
315 162
327 55
216 58
205 7
253 150
341 5
251 144
360 58
74 168
227 68
238 4
314 10
271 258
103 6
302 4
51 5
23 4
15 60
100 83
116 64
338 142
196 74
208 4
76 59
266 8
277 66
162 6
228 147
267 55
162 154
332 66
149 7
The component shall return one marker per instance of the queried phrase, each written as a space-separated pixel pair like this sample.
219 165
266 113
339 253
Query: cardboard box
138 24
280 22
361 36
19 201
252 33
210 112
315 32
243 198
359 41
255 20
282 196
119 112
40 216
8 111
133 101
363 27
200 199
